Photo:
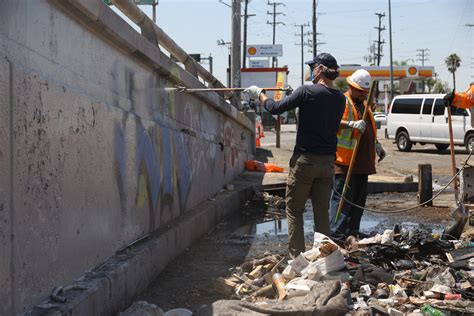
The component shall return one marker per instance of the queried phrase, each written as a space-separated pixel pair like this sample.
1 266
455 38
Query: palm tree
453 62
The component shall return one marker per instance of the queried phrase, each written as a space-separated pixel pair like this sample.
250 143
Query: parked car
423 119
380 117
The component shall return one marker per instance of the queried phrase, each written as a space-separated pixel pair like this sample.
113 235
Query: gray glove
253 92
360 125
380 151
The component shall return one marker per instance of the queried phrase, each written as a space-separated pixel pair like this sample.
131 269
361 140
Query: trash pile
395 273
273 206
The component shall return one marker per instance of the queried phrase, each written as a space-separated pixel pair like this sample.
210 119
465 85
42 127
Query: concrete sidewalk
112 286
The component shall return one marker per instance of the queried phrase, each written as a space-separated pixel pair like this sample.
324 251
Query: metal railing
158 37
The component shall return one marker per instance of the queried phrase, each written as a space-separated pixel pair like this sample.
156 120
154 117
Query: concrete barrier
95 153
112 287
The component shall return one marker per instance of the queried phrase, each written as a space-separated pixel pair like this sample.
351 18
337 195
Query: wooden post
425 184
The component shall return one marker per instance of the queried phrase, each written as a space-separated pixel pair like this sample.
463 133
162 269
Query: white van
423 119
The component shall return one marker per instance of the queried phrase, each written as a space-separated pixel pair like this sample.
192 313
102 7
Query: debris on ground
272 206
399 272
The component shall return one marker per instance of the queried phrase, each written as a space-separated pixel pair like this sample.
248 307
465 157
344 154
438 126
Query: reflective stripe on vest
345 138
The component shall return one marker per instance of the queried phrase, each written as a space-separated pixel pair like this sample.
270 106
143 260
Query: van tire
403 141
469 142
441 146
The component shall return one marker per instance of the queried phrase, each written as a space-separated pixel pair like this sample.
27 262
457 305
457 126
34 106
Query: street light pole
155 3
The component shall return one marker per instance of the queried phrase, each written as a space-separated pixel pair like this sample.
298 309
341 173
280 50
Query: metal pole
211 59
244 58
154 11
391 50
314 28
302 56
235 59
274 26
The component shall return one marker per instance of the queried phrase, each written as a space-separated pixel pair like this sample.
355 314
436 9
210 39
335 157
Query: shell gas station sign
265 50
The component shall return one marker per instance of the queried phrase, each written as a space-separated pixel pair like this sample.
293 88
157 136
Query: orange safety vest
464 100
346 136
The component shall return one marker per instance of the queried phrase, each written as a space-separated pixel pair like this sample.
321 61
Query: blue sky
347 28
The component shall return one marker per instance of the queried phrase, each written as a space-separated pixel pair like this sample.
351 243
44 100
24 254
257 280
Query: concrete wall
94 153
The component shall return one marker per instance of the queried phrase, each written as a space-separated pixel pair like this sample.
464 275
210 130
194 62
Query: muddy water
188 280
368 225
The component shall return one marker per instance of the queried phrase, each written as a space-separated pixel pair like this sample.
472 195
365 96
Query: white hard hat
360 79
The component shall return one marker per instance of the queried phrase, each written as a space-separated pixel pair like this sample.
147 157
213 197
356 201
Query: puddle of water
368 225
280 227
276 228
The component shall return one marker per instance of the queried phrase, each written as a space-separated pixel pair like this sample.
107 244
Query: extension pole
451 149
184 89
354 153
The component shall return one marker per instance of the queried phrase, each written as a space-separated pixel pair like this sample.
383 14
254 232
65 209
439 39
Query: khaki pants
310 177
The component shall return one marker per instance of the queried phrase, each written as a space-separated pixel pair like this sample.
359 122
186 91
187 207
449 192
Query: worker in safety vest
364 165
321 107
464 100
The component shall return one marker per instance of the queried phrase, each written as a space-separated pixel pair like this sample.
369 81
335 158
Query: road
395 164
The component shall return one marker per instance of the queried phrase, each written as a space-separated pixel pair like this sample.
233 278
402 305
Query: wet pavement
188 281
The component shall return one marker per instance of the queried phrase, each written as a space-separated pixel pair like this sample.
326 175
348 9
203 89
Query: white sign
259 63
265 50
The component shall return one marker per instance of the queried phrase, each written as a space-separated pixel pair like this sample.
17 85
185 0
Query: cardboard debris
388 274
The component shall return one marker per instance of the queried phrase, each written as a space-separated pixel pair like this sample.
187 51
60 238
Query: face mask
311 73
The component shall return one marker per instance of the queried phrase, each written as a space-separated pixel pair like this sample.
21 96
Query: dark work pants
349 219
310 176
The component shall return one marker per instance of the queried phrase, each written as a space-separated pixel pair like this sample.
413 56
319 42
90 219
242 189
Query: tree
453 62
436 86
400 63
440 87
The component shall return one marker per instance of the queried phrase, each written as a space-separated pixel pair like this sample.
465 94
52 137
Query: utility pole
211 59
221 42
391 48
246 16
274 60
236 49
274 23
154 4
302 34
315 43
378 55
379 42
423 54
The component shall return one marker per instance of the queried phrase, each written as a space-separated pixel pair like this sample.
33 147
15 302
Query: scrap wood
224 286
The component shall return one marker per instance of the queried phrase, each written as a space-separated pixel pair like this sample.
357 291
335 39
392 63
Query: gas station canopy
383 72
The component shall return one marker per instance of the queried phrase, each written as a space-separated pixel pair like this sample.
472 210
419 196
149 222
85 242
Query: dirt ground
187 281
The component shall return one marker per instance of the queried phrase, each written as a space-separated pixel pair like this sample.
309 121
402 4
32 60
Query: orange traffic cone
257 142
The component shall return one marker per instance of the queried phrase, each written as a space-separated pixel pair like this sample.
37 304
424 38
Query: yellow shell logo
251 50
412 71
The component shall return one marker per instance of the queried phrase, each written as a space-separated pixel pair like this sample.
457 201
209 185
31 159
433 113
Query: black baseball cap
324 59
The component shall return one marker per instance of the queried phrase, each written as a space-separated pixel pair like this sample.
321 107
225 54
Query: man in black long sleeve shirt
312 165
